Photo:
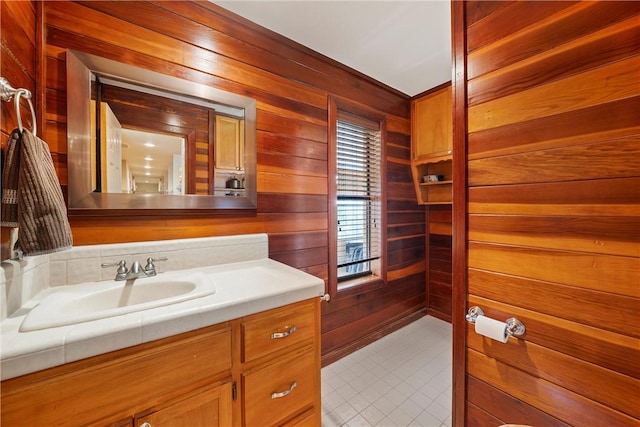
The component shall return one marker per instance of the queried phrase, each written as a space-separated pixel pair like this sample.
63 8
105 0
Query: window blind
358 198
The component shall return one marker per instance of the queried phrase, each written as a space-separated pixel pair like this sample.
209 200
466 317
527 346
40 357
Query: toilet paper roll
492 328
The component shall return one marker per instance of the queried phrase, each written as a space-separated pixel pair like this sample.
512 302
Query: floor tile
403 379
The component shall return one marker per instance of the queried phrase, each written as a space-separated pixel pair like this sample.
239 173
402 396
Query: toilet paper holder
515 328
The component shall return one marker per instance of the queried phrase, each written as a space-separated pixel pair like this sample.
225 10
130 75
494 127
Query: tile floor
403 379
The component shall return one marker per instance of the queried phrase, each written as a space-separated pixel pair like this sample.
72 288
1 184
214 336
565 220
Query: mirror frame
83 201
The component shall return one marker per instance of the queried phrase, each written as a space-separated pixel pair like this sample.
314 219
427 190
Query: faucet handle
122 270
150 268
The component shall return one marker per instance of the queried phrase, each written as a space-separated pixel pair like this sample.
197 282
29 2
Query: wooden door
548 214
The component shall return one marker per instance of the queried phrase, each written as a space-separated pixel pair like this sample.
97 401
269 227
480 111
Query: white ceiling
403 44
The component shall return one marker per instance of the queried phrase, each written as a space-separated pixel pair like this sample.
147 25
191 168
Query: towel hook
7 92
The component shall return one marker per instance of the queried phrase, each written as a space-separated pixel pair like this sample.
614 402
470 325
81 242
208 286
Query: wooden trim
432 90
190 154
459 282
384 330
439 315
332 113
40 94
212 151
338 107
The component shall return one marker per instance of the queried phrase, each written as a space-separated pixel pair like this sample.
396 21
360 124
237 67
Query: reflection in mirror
143 141
152 163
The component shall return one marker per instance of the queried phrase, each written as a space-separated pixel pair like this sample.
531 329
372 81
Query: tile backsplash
21 280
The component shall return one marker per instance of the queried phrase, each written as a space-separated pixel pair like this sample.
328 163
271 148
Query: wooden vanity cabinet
235 373
280 380
112 388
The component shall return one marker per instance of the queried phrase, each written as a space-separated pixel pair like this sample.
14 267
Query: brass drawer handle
281 394
278 335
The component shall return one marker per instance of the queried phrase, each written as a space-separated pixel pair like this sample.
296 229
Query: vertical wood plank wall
554 211
18 66
201 42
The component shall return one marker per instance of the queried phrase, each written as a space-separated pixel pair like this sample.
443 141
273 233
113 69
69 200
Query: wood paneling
17 65
201 42
553 211
440 260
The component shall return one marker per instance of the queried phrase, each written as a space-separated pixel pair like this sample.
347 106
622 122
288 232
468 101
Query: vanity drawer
278 329
281 390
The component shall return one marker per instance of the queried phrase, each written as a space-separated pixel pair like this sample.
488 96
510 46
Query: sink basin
99 300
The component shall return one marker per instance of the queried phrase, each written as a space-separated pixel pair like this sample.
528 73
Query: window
358 197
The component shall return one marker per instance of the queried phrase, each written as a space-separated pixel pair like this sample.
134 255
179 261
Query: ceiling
403 44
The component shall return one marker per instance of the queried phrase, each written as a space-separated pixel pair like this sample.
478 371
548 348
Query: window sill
357 284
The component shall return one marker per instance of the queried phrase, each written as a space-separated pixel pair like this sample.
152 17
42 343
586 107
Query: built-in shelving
431 147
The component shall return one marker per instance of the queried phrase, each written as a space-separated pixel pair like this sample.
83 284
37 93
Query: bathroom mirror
122 121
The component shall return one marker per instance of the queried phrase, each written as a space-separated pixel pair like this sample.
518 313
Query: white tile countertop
241 288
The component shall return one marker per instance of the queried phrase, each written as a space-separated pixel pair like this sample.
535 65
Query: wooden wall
553 148
19 65
201 42
439 262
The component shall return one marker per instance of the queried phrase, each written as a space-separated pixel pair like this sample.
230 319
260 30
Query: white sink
99 300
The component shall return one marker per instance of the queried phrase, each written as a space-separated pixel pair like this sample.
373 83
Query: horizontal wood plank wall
18 66
554 211
201 42
439 277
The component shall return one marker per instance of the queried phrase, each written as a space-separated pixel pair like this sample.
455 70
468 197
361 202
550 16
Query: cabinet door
432 125
209 407
227 144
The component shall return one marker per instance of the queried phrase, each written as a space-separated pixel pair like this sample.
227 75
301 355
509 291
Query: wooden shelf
433 192
436 183
431 147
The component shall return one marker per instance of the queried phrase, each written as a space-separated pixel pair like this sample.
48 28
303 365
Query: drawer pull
278 335
281 394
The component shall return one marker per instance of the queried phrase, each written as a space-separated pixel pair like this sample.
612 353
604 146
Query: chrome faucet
135 272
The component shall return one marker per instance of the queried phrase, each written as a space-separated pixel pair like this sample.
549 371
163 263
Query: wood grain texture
601 85
575 408
506 20
440 265
460 12
617 158
602 385
553 208
568 24
92 389
601 47
606 273
18 66
600 235
617 119
571 303
507 407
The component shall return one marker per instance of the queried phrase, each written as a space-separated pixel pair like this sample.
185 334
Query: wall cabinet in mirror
166 146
